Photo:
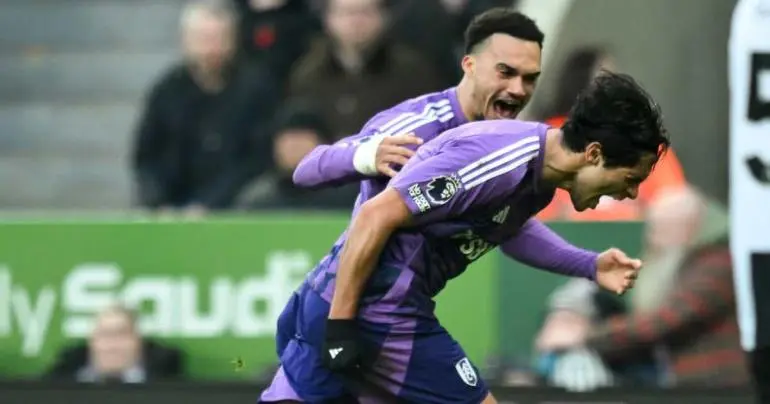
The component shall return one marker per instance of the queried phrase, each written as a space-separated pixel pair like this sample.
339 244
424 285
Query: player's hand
341 350
616 272
393 151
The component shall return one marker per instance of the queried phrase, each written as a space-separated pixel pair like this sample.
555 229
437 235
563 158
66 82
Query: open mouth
507 109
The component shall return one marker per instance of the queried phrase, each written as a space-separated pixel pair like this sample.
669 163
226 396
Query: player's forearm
538 246
366 240
326 165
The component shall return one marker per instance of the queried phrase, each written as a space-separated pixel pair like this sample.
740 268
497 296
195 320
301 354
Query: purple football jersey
469 190
426 116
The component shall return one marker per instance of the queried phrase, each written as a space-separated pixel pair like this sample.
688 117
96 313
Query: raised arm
538 246
384 145
330 165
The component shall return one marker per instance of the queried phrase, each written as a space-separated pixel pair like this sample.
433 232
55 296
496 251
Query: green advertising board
215 288
211 288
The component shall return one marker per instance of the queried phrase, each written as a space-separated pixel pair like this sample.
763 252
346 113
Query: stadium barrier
197 393
214 288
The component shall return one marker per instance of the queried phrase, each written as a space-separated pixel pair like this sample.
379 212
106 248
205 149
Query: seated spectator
202 136
580 67
298 132
683 306
276 32
357 71
435 28
116 352
428 27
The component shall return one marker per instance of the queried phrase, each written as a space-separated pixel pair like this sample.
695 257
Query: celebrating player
366 311
501 68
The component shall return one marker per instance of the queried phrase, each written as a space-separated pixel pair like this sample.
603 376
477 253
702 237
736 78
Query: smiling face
595 180
504 72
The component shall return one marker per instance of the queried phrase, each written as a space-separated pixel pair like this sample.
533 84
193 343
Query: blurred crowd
263 82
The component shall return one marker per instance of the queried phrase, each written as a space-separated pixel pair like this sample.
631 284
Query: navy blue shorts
415 360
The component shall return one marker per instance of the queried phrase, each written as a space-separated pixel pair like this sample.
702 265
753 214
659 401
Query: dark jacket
346 101
194 147
277 37
158 363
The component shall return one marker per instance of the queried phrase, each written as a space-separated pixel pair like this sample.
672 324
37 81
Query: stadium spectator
428 27
683 304
116 352
436 28
357 71
298 131
276 32
581 66
202 134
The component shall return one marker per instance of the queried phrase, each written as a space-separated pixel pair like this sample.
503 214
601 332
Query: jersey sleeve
329 165
459 178
538 246
343 162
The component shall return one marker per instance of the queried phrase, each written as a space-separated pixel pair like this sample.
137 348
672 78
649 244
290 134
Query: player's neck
559 166
465 99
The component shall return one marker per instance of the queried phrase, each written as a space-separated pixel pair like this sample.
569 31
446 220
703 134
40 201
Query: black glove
341 349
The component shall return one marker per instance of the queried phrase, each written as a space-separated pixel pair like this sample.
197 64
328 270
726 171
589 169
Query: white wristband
365 156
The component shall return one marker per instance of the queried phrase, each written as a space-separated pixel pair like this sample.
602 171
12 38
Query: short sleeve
459 178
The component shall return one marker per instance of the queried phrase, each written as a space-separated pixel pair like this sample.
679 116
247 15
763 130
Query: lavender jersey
469 190
426 117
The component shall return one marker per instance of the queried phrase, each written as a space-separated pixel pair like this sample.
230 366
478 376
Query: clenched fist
616 272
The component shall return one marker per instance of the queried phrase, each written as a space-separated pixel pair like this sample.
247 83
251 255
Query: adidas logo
334 352
500 216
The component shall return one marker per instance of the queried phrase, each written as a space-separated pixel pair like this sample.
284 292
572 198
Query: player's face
595 181
504 72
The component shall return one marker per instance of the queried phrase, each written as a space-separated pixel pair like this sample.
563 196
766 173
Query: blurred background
151 231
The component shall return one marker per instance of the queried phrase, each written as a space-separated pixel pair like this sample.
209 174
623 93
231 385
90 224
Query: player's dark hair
619 114
501 20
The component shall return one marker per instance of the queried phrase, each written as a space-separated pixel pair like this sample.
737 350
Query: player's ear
468 64
593 154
